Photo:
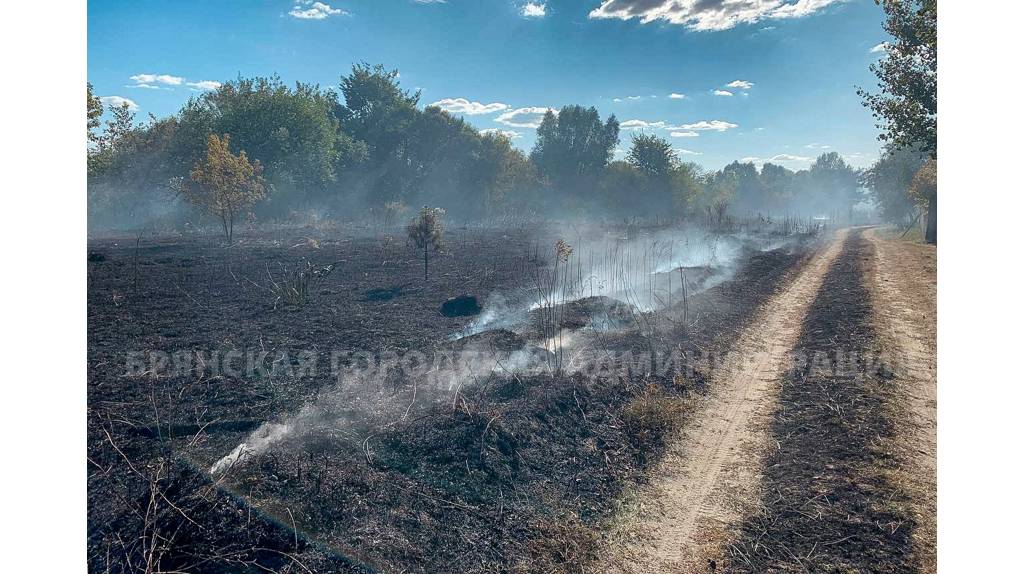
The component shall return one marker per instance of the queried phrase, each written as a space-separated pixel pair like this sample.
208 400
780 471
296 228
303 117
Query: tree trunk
424 263
930 233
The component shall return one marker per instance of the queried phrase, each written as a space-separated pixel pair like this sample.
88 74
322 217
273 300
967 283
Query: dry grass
653 416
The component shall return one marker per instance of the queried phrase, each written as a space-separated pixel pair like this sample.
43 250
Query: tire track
903 288
833 499
709 479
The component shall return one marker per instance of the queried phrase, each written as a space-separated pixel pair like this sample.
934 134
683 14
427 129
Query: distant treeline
371 146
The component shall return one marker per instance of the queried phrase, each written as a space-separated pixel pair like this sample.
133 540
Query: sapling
426 231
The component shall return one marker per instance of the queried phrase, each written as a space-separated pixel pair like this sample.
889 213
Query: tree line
370 146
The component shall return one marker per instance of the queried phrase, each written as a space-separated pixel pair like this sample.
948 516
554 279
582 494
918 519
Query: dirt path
709 479
902 284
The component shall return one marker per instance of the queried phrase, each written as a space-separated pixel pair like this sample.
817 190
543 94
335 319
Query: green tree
656 164
749 189
686 186
651 155
573 147
225 184
777 182
619 185
718 191
836 183
293 132
888 181
907 107
93 111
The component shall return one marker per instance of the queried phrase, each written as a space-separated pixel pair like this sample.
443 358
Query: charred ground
509 473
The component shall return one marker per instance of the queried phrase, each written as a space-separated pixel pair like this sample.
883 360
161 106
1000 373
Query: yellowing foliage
225 184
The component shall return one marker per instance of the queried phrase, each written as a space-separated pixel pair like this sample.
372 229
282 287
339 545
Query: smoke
600 282
261 439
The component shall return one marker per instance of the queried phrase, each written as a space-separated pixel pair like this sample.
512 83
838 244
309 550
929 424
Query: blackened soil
507 474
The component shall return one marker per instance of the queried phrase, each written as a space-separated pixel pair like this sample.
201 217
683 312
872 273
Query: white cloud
686 151
616 100
723 93
464 106
642 125
708 14
786 158
817 146
777 159
150 79
684 134
524 117
430 1
676 96
740 84
534 10
314 11
205 85
118 101
510 134
157 81
713 125
878 48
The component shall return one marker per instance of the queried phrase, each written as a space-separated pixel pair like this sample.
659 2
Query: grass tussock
653 416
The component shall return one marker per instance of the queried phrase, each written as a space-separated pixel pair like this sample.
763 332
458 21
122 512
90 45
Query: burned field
299 401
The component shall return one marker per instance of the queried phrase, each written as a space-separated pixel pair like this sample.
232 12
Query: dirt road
824 465
709 479
903 299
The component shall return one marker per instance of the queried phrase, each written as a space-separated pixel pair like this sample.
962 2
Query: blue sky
790 66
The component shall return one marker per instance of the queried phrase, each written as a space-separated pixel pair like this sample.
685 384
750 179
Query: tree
293 132
225 184
619 184
922 189
93 111
836 183
426 231
574 146
907 107
749 188
777 182
719 191
889 179
651 155
686 186
654 161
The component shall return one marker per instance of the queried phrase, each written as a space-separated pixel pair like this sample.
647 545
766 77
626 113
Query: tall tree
651 155
93 111
836 184
907 106
654 160
293 132
573 147
778 186
889 179
749 189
